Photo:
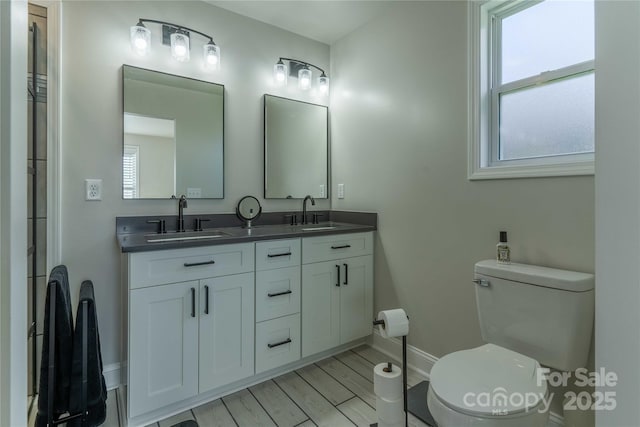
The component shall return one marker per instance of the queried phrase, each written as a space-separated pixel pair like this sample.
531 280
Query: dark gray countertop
139 241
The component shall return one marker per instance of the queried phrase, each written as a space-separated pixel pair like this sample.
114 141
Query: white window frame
135 151
484 92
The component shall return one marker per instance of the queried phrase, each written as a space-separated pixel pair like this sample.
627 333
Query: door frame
13 213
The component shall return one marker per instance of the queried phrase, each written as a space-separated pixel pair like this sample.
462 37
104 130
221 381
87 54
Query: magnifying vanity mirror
295 149
173 136
248 209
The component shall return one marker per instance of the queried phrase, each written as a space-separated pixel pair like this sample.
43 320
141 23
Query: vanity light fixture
302 71
140 39
178 37
304 78
280 73
180 46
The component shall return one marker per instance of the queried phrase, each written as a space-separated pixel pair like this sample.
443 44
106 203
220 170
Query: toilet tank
541 312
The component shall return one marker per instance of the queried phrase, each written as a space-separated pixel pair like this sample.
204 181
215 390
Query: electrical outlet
322 190
340 191
93 189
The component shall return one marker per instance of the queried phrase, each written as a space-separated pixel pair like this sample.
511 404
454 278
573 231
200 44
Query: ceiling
324 21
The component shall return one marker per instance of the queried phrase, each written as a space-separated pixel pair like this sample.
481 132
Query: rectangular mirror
173 136
296 149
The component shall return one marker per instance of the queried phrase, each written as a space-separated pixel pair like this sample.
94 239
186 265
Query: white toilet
530 316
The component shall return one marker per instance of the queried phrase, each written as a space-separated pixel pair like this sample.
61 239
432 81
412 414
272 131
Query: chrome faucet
304 208
182 204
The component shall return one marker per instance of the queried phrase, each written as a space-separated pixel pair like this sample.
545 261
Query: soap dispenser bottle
503 250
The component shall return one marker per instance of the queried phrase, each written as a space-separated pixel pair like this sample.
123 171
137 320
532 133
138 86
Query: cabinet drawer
277 293
325 248
179 265
277 254
277 342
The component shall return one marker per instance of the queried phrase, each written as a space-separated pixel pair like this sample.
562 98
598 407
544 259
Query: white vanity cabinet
337 290
189 337
277 303
203 321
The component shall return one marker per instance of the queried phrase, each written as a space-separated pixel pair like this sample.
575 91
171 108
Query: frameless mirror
173 136
295 149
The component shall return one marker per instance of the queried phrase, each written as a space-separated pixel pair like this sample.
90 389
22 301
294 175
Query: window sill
533 171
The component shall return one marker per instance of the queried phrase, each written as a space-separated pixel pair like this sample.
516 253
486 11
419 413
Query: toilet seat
488 381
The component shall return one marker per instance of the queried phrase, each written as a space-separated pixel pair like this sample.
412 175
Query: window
130 168
532 99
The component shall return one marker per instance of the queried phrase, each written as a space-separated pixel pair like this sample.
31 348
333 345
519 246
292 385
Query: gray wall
399 144
95 45
618 205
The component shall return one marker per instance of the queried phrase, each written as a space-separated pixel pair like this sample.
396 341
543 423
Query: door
320 307
356 298
226 330
163 342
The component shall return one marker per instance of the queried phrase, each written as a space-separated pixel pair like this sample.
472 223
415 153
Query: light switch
194 193
340 191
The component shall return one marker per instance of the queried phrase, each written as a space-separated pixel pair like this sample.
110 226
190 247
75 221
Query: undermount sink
178 237
322 227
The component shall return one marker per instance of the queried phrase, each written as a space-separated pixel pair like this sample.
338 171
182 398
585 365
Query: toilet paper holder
381 322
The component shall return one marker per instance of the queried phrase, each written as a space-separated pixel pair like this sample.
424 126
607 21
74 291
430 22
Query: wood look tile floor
334 392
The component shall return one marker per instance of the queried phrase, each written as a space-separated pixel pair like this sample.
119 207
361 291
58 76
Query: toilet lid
488 380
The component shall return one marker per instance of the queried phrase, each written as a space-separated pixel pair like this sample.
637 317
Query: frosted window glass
554 119
548 36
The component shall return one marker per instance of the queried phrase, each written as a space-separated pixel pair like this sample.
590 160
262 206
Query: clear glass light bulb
304 79
280 73
140 39
323 84
180 46
211 56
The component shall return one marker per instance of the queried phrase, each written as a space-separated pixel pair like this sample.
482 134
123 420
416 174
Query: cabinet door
226 330
163 343
356 298
320 307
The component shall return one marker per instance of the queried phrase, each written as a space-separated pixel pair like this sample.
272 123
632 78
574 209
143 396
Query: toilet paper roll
396 323
390 412
387 385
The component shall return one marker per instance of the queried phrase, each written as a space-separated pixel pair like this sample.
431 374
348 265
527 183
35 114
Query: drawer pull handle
346 274
206 299
194 264
277 255
287 341
341 247
277 294
193 302
338 271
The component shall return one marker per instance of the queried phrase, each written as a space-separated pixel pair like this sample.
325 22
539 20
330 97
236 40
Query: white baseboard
422 362
417 359
112 375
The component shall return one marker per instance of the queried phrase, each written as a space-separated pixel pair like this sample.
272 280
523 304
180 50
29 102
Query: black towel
63 341
96 387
